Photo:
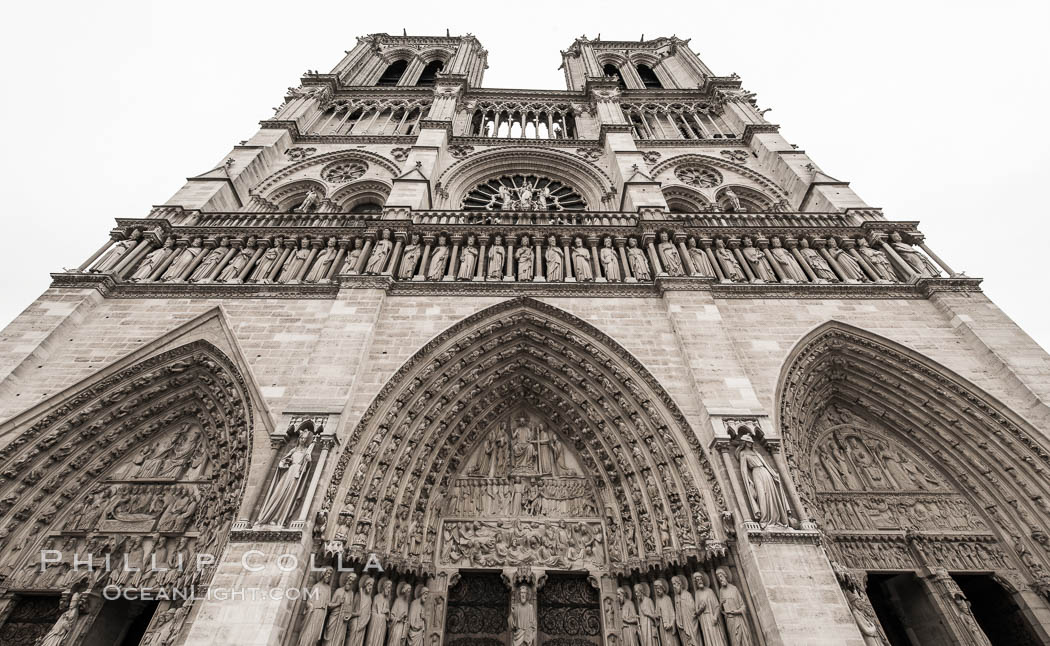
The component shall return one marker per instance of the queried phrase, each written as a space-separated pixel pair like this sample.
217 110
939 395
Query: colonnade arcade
932 497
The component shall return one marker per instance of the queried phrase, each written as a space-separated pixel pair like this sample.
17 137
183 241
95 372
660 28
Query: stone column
909 274
792 246
566 242
328 441
363 260
395 255
453 256
654 258
537 271
424 260
180 246
206 248
483 243
821 245
132 258
235 248
260 249
115 236
734 245
337 264
920 240
508 271
705 244
596 262
687 262
315 247
763 245
851 248
621 249
290 246
953 606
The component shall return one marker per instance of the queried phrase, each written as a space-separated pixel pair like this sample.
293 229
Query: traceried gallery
423 363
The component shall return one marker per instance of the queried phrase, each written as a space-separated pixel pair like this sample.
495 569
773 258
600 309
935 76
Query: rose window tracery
701 176
343 172
523 193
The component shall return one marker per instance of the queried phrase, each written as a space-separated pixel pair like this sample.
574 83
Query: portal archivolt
526 377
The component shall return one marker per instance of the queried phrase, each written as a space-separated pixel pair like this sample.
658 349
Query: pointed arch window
611 70
430 72
649 78
393 73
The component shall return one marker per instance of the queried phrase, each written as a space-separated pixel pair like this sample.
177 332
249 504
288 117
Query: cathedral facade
424 363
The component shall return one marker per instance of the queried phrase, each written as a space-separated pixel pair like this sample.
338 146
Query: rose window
698 176
343 172
523 193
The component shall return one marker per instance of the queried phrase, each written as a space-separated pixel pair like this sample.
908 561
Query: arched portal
524 442
921 482
144 465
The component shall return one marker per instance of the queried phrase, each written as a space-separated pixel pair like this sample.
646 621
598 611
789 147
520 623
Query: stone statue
877 260
436 270
261 273
759 264
629 617
639 263
288 483
869 629
468 260
232 271
316 609
398 620
342 604
788 265
322 264
294 263
523 619
669 255
382 248
185 259
506 198
213 258
63 628
685 612
729 264
847 263
918 262
377 625
417 617
701 263
413 250
114 254
708 610
734 200
310 202
362 614
497 255
734 609
353 259
610 261
649 620
581 262
152 260
665 612
764 490
555 261
525 258
816 263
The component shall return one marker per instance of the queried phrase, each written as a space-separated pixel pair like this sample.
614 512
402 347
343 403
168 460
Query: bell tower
658 64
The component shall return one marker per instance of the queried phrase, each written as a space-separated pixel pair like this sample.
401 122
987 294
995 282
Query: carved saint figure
685 612
468 260
555 261
262 270
708 610
182 263
413 250
581 262
436 270
497 255
669 255
322 264
232 271
362 613
114 254
765 492
788 265
353 259
310 202
610 261
524 256
342 604
399 615
639 263
869 630
377 261
417 618
847 263
665 611
649 620
629 617
213 258
523 448
701 263
759 264
918 262
523 619
316 609
819 266
730 267
733 199
63 628
380 613
152 260
295 262
878 261
288 482
734 609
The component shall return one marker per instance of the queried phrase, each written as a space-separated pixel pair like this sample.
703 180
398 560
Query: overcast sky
932 110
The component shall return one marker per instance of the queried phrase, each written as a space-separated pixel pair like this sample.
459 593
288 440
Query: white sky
932 110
